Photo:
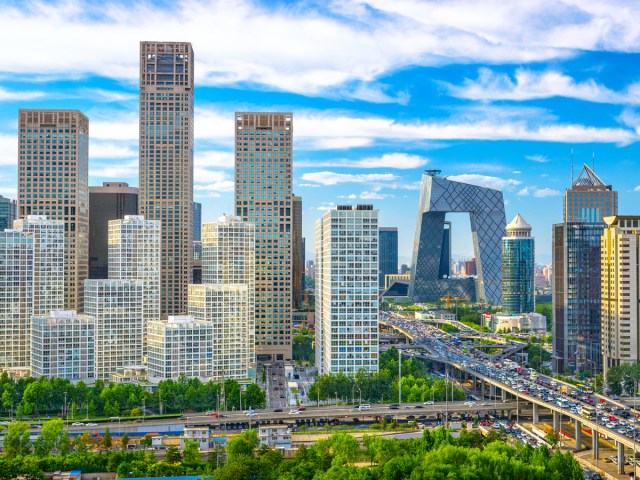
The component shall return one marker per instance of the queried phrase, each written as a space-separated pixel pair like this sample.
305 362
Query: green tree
16 441
65 444
107 441
243 445
191 451
551 438
49 438
124 441
173 455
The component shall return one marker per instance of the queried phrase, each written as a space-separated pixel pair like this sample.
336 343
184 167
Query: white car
428 403
92 424
249 412
294 412
77 424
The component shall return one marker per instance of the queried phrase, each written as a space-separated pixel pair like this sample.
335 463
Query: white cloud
202 175
332 178
214 158
9 192
374 196
400 161
106 125
324 206
538 192
106 149
529 85
637 189
122 170
309 185
537 158
486 181
15 95
9 150
218 186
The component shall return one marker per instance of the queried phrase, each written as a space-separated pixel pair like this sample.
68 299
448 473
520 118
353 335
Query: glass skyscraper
518 264
387 253
576 274
8 211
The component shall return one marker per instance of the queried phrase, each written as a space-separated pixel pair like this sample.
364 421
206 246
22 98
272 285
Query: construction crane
448 299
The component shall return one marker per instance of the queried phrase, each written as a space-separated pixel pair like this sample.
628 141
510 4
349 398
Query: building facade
518 267
197 222
117 307
166 161
63 346
226 309
53 180
48 261
263 196
620 256
8 212
16 300
178 346
347 290
297 254
576 285
439 196
111 201
387 253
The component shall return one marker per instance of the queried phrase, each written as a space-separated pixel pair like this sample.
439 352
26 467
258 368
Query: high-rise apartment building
53 180
518 265
620 287
387 253
347 290
111 201
8 212
48 261
63 346
166 161
197 221
117 307
134 254
576 285
263 196
16 300
178 346
297 254
225 308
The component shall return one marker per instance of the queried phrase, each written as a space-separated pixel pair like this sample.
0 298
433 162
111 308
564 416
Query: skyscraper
197 221
518 264
263 196
347 290
8 212
620 285
576 281
111 201
166 160
387 253
297 263
53 176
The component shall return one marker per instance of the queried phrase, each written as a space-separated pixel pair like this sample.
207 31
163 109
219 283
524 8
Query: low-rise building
275 436
201 435
524 323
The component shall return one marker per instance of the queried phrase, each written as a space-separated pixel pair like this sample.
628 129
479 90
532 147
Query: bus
588 412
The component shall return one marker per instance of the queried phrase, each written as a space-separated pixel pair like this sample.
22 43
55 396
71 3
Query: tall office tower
347 290
8 212
297 274
111 201
63 346
445 254
16 300
48 259
303 262
197 222
620 286
548 272
178 346
53 180
576 284
225 307
387 253
117 307
263 172
134 254
166 161
518 265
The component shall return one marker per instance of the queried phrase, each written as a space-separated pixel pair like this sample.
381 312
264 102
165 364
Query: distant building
8 212
470 269
389 279
346 290
197 222
297 253
111 201
404 268
200 435
529 322
387 253
518 263
63 346
275 436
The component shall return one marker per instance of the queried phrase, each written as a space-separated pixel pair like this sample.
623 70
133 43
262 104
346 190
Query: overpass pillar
594 443
536 417
578 435
556 422
492 390
503 394
482 387
620 457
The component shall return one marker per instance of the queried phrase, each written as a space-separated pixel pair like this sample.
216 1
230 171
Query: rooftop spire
588 178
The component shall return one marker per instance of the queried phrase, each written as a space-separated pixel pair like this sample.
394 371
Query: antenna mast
572 166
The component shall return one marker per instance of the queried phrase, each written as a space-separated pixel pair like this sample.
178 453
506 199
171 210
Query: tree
16 441
124 441
243 445
107 442
146 441
551 438
173 455
191 451
65 444
49 438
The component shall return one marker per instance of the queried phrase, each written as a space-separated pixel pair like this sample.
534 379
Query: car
137 421
418 406
35 425
277 410
252 414
77 424
294 412
429 402
301 409
212 414
394 406
92 424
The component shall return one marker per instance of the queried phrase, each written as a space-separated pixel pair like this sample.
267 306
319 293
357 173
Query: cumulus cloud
16 95
538 192
486 181
537 158
530 85
218 186
388 160
332 178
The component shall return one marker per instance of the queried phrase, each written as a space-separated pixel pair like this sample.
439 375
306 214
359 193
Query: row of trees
436 455
417 385
28 396
623 378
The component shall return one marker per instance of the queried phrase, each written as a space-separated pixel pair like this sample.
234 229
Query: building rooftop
588 178
518 223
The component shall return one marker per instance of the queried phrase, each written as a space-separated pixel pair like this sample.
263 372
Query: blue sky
491 92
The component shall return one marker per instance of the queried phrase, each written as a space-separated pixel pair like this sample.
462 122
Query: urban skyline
500 110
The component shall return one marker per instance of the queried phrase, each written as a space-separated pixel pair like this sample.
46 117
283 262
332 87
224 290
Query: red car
301 409
212 414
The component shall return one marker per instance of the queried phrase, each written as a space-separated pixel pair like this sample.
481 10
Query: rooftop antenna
571 166
593 161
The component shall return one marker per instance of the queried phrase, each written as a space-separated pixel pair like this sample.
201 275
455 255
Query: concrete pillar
536 417
556 422
595 445
503 394
620 458
578 435
492 390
